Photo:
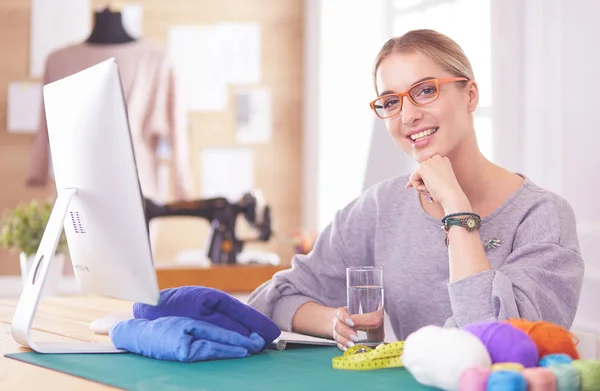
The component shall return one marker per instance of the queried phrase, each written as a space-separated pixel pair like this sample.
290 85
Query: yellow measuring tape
364 358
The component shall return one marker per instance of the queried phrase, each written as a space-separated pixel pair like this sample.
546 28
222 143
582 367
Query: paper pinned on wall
253 116
209 58
132 16
23 107
199 59
242 50
226 172
55 24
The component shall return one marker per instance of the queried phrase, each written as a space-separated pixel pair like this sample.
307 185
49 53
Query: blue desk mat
302 369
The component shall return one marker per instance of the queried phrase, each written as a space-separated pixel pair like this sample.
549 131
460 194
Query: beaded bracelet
459 214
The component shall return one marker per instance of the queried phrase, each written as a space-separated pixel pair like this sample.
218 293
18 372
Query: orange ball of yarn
549 338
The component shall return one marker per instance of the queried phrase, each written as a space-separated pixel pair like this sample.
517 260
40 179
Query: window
468 23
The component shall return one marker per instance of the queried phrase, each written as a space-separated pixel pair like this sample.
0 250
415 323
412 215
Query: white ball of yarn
437 356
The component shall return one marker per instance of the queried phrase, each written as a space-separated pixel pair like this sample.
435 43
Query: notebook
287 339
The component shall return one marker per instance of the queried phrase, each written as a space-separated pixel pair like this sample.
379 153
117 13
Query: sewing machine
225 247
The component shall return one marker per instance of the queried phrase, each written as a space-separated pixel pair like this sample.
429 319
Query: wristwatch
470 221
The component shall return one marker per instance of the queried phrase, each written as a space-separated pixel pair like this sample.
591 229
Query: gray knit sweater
537 272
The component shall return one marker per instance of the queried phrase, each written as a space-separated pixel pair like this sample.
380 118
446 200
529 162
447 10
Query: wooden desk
58 319
228 278
68 317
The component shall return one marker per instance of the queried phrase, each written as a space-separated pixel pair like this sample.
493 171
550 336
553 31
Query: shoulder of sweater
157 48
545 217
64 51
545 200
393 185
378 194
366 207
157 54
150 48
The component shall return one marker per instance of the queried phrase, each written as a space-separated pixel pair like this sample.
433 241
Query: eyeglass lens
422 93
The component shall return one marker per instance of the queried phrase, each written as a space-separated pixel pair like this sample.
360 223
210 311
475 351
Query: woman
508 248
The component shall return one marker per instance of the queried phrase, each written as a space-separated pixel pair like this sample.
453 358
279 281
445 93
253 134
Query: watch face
471 223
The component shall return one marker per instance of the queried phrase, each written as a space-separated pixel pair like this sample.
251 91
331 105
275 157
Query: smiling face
438 127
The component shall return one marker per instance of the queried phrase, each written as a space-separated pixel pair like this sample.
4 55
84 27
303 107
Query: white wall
581 143
311 111
342 39
386 159
545 105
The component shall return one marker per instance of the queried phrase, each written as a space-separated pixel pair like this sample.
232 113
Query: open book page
287 338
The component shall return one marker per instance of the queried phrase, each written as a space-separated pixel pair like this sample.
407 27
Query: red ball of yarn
549 338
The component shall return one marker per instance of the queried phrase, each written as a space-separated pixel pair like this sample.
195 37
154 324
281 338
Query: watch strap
469 221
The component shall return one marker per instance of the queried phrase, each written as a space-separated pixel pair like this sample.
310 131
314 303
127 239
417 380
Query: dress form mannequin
108 28
152 102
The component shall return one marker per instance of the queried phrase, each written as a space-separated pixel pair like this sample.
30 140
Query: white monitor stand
32 291
99 203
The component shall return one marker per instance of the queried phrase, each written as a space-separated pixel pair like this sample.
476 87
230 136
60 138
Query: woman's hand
435 177
343 333
344 326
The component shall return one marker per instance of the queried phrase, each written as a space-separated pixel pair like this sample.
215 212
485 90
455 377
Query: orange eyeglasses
419 94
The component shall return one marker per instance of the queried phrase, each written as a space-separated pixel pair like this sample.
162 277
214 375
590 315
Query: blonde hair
441 49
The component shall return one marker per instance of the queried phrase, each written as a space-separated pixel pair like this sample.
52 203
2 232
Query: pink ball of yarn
539 379
505 343
474 379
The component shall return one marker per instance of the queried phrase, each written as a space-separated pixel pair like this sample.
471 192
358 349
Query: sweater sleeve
169 123
540 280
38 169
178 139
320 276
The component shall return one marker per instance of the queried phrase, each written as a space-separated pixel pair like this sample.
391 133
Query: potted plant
21 229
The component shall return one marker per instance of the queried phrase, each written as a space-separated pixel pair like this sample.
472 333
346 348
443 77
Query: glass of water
365 297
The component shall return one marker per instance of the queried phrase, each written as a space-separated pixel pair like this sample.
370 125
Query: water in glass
368 300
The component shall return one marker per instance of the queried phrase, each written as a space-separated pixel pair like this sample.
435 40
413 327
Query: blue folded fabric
182 339
210 305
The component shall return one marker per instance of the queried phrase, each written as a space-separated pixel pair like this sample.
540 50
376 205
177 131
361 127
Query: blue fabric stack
194 323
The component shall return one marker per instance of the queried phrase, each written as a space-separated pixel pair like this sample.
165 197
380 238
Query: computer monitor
99 202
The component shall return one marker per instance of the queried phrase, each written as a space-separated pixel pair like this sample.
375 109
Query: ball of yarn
437 356
474 379
549 337
508 366
567 377
505 343
589 374
506 381
539 379
554 359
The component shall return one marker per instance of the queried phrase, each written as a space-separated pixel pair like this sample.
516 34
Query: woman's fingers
346 333
421 188
415 180
368 320
427 195
343 333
